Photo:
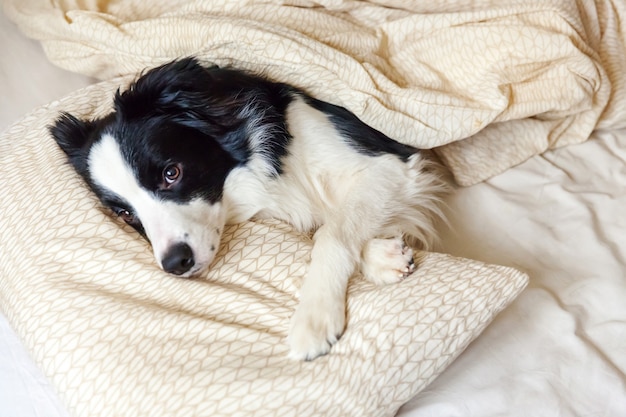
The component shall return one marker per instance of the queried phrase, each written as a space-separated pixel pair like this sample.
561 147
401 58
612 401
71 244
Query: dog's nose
178 259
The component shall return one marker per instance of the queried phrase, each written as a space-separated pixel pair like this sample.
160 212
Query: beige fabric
517 77
118 337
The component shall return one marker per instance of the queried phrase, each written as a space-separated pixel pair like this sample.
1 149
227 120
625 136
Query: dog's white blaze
197 223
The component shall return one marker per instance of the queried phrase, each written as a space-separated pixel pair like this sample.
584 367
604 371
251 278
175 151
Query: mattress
559 347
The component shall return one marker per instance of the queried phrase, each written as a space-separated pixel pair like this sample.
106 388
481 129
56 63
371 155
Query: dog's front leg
319 319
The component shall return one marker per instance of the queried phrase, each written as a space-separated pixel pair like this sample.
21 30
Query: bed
558 348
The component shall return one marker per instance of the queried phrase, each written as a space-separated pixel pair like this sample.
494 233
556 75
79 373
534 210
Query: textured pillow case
117 336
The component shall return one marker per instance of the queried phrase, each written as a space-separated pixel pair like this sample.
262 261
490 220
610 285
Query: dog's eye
172 174
126 215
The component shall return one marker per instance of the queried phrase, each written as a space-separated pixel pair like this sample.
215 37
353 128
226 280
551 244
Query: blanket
486 84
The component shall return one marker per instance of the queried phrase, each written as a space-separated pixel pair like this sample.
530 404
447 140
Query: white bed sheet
560 349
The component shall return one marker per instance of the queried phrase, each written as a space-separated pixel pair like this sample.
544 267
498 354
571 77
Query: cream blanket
486 83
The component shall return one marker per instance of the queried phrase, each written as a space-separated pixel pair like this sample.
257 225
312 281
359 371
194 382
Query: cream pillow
119 337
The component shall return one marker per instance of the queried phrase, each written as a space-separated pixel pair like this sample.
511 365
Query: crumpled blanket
488 84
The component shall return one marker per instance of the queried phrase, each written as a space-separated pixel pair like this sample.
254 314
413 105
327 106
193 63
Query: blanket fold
487 86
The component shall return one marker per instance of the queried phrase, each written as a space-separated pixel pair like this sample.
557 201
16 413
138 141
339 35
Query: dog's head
160 160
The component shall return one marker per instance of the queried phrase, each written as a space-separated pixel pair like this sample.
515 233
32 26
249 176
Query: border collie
189 148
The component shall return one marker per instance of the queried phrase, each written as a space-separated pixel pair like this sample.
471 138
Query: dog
189 148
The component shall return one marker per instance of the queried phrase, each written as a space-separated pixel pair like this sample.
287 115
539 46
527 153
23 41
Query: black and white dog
190 148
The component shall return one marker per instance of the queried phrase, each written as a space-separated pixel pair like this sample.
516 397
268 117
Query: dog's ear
176 86
71 133
186 92
74 137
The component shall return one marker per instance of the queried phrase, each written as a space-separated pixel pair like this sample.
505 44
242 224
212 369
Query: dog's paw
387 261
314 329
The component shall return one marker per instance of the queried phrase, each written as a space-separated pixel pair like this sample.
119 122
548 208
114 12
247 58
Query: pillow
117 336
